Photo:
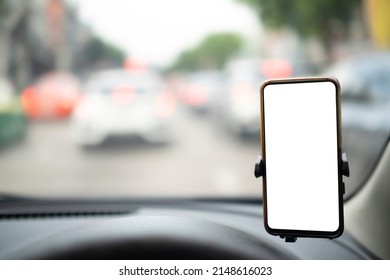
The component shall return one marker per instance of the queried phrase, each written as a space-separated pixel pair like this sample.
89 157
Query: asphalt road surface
202 161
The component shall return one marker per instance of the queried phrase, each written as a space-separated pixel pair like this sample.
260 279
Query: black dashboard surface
27 225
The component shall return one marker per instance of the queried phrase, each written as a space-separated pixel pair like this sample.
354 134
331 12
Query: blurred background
160 98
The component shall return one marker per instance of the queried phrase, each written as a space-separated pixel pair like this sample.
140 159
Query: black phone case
293 234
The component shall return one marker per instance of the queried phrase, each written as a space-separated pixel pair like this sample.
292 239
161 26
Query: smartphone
302 154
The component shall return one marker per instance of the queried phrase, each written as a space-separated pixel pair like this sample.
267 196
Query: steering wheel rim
151 237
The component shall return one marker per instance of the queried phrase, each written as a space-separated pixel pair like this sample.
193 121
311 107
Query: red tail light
29 102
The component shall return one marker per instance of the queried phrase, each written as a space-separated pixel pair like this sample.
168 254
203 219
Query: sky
157 31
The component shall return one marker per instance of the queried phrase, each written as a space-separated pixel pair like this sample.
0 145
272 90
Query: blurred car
12 118
201 89
238 105
365 82
238 109
53 96
124 103
365 91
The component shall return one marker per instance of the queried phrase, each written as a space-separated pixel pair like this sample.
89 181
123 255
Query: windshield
161 98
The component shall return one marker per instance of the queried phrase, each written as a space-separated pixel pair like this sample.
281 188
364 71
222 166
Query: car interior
166 172
186 229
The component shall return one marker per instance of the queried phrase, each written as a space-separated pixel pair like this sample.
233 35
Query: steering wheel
151 237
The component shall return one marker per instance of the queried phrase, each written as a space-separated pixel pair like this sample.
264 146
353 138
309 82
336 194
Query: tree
307 17
211 53
99 51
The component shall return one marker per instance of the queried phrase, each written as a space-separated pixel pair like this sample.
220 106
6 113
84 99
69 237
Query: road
201 161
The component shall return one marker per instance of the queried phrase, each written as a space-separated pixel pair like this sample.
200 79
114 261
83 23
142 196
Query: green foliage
211 53
307 17
3 6
98 50
3 11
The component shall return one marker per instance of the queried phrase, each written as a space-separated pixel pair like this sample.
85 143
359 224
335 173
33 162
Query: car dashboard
154 229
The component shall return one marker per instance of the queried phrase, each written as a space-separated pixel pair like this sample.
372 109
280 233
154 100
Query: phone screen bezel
304 233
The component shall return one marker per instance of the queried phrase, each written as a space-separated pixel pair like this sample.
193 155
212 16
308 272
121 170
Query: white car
238 109
123 103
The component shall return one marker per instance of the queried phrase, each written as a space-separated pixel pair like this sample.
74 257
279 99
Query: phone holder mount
260 171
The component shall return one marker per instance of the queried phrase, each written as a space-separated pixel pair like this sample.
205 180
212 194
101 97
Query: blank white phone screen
301 156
